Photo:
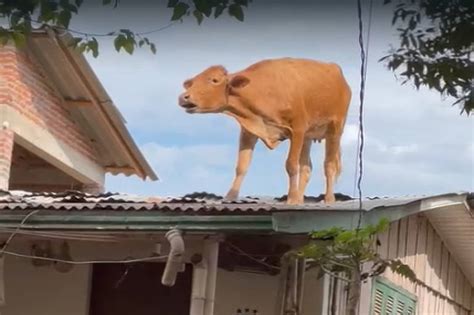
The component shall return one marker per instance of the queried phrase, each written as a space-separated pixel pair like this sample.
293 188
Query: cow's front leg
246 146
292 167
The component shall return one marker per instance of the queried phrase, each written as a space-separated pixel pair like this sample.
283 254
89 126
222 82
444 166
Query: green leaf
64 18
76 41
141 43
94 47
204 6
235 10
119 42
73 8
19 39
82 47
179 11
4 37
198 15
129 45
46 11
153 48
241 2
218 10
172 3
402 269
15 18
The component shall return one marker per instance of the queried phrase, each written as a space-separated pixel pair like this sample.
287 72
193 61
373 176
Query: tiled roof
195 203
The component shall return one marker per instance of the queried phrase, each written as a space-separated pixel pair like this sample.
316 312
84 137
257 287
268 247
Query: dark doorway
136 289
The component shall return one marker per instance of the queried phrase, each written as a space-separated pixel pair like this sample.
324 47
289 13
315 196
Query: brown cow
273 100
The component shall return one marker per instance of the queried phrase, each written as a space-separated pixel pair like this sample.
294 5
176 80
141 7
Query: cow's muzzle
185 102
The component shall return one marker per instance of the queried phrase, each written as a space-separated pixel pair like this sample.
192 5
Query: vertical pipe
198 294
211 251
300 283
326 289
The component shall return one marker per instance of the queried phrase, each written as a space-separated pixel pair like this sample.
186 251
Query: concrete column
6 150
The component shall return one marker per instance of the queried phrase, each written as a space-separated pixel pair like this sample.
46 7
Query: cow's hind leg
305 167
292 167
332 165
246 146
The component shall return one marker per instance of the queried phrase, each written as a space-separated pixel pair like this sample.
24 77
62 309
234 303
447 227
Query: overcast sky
416 143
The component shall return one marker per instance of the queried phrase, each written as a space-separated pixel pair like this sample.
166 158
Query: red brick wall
24 86
6 149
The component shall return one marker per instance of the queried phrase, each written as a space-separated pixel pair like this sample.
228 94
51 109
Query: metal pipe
175 257
211 251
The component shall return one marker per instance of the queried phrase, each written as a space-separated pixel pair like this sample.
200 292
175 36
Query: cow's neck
270 133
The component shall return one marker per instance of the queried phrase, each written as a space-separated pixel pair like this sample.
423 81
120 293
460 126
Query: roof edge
108 110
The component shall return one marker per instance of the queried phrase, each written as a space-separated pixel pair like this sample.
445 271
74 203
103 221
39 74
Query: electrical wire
108 34
243 253
86 262
4 251
356 168
363 73
18 228
64 235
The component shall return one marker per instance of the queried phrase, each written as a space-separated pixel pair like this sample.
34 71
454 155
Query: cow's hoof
329 199
232 195
294 201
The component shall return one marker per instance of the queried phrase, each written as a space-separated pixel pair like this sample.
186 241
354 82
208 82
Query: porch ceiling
455 225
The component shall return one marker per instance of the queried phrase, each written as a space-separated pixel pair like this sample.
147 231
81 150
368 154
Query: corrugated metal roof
75 81
195 203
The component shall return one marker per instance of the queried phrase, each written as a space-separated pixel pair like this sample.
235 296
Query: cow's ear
239 81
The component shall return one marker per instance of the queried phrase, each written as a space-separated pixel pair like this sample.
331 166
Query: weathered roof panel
192 203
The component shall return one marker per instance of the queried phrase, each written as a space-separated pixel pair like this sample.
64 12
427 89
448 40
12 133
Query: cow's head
208 92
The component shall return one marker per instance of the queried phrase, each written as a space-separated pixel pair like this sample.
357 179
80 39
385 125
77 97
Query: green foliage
25 15
436 43
337 250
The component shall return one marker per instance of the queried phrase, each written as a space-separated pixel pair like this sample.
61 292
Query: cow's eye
214 80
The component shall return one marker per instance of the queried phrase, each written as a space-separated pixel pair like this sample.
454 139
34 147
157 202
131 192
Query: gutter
302 222
133 221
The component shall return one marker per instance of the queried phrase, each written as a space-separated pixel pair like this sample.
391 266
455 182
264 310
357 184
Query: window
388 299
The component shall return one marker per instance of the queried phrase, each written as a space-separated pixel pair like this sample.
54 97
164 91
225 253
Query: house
59 127
232 255
71 248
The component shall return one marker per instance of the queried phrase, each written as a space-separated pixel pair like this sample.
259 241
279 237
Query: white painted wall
31 290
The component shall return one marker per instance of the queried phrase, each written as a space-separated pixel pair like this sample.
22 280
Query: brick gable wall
25 88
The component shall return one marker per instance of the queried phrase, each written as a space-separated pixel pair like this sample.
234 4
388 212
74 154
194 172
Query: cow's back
287 88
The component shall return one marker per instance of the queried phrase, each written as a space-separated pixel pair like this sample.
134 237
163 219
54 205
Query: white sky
416 143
